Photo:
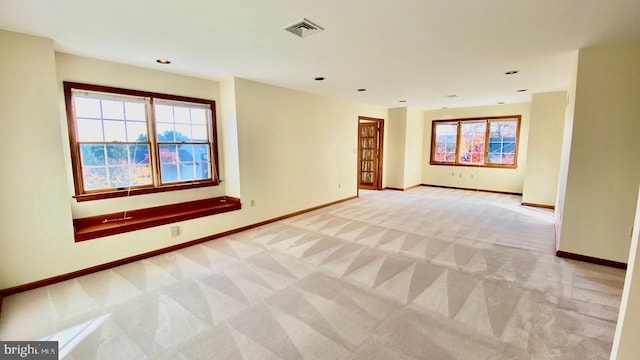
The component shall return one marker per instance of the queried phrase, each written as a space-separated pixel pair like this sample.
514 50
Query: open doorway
370 131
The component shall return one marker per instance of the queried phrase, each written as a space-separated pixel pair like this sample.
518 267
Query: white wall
508 180
34 202
625 342
604 171
545 148
395 147
413 159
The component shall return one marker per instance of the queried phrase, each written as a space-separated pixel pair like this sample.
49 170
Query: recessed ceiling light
512 72
402 101
501 103
451 96
163 61
319 78
362 89
522 90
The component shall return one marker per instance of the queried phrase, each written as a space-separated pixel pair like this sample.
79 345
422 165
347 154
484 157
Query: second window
489 142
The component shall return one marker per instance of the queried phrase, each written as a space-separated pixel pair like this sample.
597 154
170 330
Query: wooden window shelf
115 223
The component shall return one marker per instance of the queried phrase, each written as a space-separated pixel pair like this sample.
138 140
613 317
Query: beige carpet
424 274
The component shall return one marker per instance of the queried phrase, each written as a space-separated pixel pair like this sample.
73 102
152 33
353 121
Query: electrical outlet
175 231
339 185
253 203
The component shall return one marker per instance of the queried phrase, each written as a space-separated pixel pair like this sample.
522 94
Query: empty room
320 180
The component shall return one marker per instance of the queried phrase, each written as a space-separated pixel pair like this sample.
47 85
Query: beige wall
228 138
31 253
395 147
509 180
406 127
625 343
413 148
604 171
545 148
566 149
34 202
294 151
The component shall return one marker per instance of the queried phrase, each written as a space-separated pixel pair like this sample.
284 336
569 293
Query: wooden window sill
111 224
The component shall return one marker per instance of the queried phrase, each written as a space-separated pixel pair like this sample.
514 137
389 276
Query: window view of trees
445 142
183 146
110 152
115 166
471 150
114 148
480 142
502 142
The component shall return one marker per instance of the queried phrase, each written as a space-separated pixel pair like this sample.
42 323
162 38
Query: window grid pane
472 143
87 107
136 131
502 142
184 162
180 123
108 166
90 129
100 119
108 130
112 109
445 143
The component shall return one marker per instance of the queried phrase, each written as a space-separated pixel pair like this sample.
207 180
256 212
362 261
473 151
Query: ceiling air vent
303 28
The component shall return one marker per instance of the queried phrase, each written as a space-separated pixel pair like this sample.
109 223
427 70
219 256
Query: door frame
379 153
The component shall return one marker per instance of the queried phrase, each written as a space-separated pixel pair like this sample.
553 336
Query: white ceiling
414 50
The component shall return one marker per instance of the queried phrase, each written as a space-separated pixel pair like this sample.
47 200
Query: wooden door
368 155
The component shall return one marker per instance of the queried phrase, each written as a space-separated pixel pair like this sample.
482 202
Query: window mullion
487 142
178 170
154 149
129 166
458 136
501 147
106 165
211 136
177 144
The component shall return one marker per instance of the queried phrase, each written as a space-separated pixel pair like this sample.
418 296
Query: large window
113 153
490 141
